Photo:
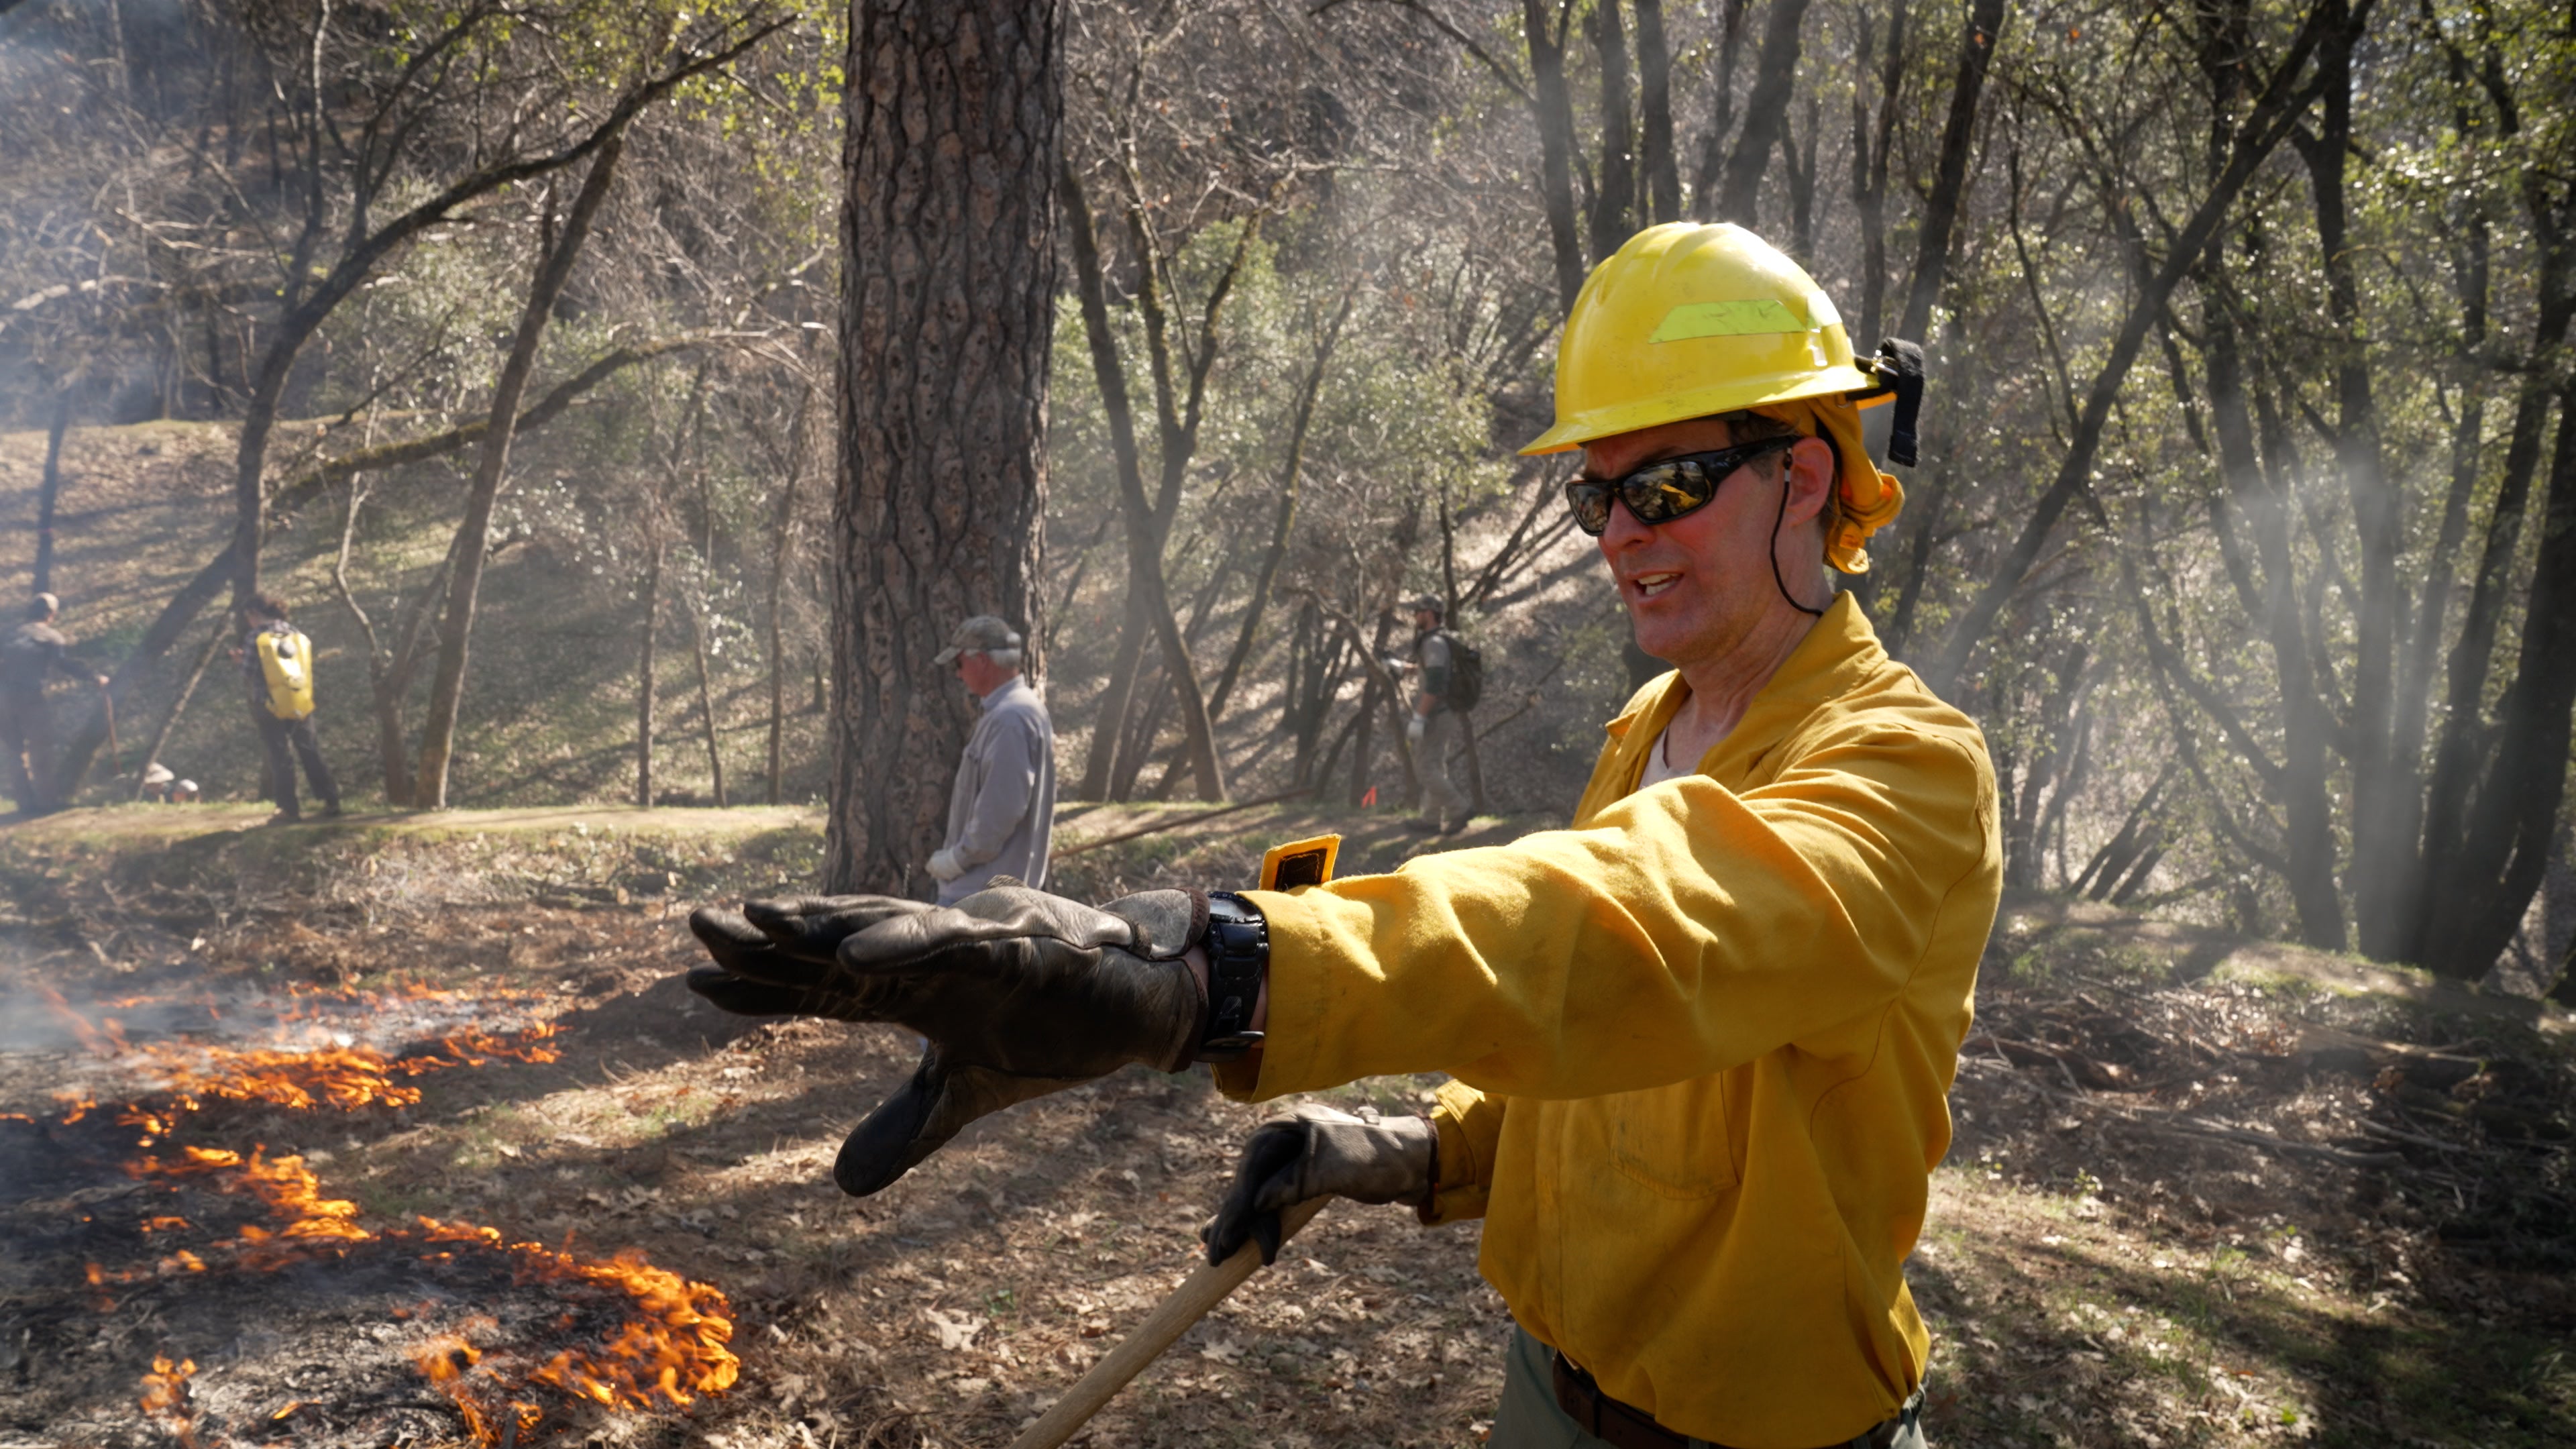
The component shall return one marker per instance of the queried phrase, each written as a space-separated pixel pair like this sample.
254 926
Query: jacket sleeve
1010 778
1684 930
1470 1125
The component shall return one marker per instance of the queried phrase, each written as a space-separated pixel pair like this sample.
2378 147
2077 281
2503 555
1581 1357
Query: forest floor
2205 1191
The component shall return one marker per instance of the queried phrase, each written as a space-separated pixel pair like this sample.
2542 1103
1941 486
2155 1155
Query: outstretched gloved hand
1020 993
1320 1152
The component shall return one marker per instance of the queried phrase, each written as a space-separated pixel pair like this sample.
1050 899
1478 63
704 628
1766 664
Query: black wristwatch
1238 951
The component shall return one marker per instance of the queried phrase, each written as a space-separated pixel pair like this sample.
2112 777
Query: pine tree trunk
948 274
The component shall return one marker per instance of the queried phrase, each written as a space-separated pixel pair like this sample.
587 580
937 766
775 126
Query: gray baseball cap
982 634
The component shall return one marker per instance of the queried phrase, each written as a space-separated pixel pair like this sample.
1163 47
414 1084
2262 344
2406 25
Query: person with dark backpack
277 667
31 653
1453 675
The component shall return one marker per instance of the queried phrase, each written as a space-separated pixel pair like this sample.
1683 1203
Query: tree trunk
1663 183
1553 111
2459 755
707 702
644 678
2483 888
948 286
1614 201
49 490
1950 176
2386 797
1283 522
1869 168
783 541
1117 701
2262 495
1105 765
1766 114
464 585
1721 121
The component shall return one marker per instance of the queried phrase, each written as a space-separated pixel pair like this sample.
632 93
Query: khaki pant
1529 1418
1443 803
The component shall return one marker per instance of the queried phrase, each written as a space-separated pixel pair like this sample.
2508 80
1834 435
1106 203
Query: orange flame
165 1396
671 1349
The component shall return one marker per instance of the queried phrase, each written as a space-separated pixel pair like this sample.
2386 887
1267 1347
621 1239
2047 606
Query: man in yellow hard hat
1702 1038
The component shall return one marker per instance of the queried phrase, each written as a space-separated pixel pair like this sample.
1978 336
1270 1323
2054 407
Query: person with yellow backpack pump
1701 1039
277 665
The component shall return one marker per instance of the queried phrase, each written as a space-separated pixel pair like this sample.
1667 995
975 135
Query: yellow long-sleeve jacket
1703 1040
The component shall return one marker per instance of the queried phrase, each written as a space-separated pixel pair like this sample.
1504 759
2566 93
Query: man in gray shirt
1002 809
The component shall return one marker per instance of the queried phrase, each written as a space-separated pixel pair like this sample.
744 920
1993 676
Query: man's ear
1809 467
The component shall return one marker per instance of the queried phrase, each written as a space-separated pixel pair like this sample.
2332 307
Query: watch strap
1237 943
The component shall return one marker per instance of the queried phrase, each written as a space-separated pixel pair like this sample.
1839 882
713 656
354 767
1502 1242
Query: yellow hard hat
1687 321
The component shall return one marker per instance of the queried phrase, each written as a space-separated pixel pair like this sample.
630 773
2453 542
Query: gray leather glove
1020 993
1319 1152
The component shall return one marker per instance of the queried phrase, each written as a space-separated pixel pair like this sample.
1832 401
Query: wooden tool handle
1171 1318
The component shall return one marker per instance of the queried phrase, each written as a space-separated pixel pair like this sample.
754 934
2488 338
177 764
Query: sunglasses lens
1591 505
1665 490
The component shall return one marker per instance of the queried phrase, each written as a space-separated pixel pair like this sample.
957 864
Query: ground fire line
670 1345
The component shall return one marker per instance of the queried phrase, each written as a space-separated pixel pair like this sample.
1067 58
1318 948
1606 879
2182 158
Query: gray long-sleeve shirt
1001 811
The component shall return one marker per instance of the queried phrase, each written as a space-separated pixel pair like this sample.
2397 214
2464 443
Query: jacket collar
1837 654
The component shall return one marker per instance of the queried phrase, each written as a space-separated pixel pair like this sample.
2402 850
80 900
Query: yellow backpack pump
286 662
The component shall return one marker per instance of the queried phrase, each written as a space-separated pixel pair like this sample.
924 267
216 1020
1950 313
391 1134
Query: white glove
944 867
1413 728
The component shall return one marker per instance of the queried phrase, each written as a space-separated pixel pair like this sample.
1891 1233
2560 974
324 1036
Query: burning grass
617 1333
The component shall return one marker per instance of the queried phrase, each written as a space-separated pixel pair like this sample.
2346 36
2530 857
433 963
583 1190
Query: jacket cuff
1459 1183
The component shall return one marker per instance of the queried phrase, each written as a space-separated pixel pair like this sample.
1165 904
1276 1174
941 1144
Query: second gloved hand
944 867
1320 1152
1413 727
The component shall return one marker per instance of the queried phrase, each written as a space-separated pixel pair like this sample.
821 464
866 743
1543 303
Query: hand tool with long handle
107 702
1283 867
1183 1306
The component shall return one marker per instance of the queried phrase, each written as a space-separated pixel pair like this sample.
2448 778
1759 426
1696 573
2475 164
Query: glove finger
732 941
899 942
920 1118
742 997
811 928
1270 1156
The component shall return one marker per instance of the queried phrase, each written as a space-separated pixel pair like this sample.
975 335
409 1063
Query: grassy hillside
549 715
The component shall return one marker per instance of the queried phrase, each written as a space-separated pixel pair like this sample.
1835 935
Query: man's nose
1623 530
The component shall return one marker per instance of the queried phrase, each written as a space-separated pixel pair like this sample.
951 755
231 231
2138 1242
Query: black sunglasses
1663 491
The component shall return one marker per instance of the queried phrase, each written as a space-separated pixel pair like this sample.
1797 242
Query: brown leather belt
1627 1427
